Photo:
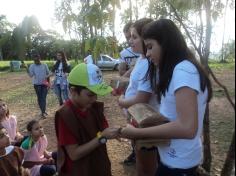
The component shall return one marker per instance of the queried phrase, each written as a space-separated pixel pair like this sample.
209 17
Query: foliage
100 45
228 53
217 65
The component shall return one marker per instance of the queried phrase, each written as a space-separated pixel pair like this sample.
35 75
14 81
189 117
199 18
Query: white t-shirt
88 59
61 77
128 56
183 153
139 82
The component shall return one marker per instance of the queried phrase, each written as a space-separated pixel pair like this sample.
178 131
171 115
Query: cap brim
101 89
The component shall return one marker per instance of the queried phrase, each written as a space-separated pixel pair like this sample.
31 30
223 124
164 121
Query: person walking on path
60 85
40 73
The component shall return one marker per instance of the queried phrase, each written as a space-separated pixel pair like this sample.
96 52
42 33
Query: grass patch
219 66
25 95
218 93
5 65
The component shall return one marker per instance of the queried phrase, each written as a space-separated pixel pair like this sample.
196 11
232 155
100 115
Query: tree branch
185 28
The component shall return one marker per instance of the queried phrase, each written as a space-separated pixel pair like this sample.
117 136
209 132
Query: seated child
9 122
37 158
11 157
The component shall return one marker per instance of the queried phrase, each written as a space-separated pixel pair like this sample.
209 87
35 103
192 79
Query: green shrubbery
5 65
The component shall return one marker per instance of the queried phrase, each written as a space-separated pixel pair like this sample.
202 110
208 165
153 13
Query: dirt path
17 90
26 110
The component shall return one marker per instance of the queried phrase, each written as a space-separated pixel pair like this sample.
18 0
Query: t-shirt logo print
97 77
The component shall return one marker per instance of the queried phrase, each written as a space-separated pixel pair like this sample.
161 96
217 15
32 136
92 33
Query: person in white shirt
183 89
140 91
60 85
89 58
128 57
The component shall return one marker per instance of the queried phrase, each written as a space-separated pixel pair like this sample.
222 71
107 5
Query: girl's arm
185 126
30 164
141 97
77 152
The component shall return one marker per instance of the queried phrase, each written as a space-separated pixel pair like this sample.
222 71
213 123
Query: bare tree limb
184 26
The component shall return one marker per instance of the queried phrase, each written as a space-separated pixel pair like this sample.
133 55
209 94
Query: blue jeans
41 92
163 170
47 170
62 94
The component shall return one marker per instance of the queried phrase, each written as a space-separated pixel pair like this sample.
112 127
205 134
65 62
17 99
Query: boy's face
37 130
85 99
4 138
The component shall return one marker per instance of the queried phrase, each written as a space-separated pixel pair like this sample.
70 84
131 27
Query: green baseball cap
89 76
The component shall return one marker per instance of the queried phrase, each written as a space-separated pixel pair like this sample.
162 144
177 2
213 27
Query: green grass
5 65
218 65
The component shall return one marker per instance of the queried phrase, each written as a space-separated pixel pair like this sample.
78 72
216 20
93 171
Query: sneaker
130 160
44 115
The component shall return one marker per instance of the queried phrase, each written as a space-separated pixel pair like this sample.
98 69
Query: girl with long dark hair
61 68
183 89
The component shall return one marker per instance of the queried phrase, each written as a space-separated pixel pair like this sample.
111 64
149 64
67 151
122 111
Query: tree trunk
223 38
113 20
91 30
204 60
131 10
207 42
1 57
230 159
207 141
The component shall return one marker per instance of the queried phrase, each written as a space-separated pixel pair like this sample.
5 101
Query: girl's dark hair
65 66
139 26
173 51
78 89
127 27
31 124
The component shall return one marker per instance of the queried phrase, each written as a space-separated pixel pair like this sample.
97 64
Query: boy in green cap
81 128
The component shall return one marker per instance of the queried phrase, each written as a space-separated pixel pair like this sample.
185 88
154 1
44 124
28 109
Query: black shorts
166 171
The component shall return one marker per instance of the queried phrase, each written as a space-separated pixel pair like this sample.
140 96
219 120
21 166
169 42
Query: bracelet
99 134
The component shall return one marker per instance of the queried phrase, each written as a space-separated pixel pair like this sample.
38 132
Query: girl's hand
19 137
121 100
128 132
110 133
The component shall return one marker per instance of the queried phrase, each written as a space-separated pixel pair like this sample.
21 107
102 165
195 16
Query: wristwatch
101 139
